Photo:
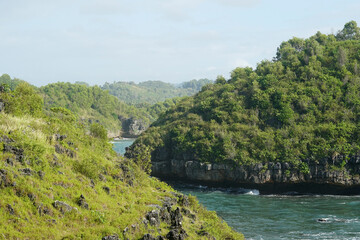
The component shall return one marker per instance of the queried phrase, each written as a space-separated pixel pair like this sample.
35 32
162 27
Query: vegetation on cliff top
304 104
58 182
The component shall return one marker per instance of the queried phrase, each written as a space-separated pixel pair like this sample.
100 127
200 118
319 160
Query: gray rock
148 237
82 203
176 218
132 127
63 207
183 200
176 234
59 137
18 152
164 215
10 209
106 189
41 174
26 171
153 217
111 237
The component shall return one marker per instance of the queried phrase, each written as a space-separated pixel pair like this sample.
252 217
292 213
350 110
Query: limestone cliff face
314 177
132 127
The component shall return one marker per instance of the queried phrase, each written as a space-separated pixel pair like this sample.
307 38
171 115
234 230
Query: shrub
98 131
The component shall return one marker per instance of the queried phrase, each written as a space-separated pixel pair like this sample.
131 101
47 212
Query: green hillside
11 82
152 91
57 182
92 104
304 104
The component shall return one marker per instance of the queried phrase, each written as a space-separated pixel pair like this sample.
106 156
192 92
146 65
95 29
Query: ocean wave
334 219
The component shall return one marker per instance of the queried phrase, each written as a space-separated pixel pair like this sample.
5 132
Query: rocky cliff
328 176
132 127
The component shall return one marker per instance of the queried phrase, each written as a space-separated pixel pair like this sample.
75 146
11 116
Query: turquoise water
119 146
282 217
276 216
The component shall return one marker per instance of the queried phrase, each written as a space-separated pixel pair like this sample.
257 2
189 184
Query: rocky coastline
309 177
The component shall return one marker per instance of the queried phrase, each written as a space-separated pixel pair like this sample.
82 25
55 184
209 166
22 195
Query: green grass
66 178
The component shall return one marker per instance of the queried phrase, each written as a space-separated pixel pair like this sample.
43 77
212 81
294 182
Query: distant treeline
95 104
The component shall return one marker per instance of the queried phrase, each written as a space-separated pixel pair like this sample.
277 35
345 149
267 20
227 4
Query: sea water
277 216
120 145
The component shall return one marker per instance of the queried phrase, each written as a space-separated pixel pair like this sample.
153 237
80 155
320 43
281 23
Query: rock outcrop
132 127
328 176
63 207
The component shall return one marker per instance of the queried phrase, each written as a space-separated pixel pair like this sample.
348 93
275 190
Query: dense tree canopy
11 82
152 92
304 104
91 104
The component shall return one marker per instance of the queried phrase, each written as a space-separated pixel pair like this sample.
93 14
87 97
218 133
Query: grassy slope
66 178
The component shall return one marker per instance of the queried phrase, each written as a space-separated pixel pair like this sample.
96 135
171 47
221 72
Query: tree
220 80
98 131
350 32
23 100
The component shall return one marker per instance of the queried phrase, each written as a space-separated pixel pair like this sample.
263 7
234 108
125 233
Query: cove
277 216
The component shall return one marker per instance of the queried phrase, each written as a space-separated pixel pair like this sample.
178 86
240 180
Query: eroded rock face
316 177
132 127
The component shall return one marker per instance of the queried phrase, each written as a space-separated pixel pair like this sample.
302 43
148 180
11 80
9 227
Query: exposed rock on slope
132 127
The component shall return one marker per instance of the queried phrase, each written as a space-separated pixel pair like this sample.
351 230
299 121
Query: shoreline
288 189
269 178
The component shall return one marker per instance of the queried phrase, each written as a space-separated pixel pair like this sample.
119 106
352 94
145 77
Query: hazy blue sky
99 41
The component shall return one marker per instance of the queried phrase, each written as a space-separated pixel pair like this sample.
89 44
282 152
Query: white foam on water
254 192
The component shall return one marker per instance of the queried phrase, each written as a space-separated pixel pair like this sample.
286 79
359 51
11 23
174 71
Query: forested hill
304 104
153 91
11 82
92 104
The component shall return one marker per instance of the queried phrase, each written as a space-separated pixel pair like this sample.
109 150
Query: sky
98 41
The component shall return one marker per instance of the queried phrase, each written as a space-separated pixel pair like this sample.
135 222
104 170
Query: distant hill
152 92
11 82
92 104
145 101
